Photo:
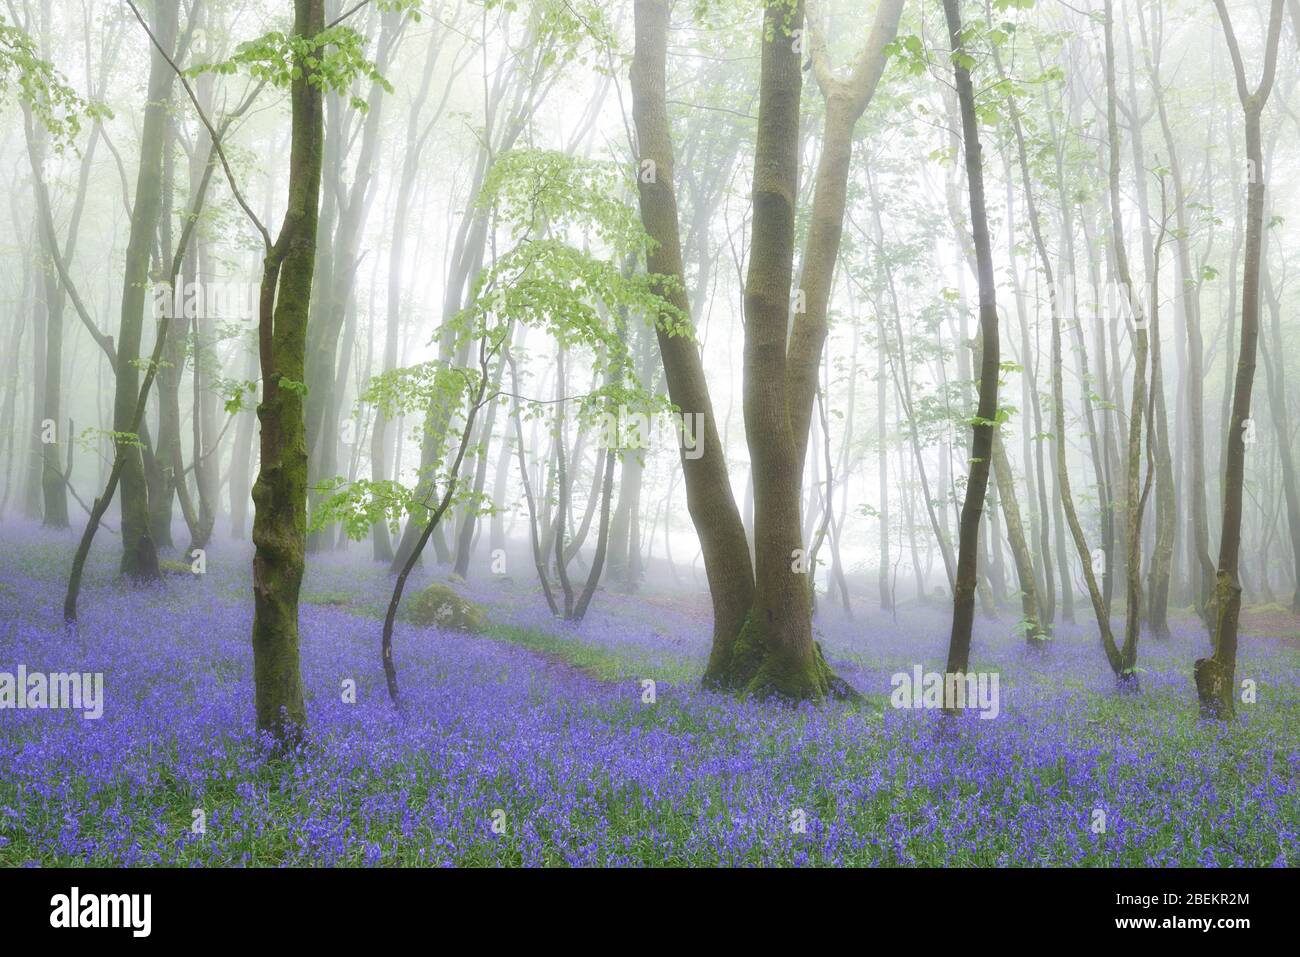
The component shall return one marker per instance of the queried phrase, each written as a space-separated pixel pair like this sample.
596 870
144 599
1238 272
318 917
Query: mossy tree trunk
280 492
776 652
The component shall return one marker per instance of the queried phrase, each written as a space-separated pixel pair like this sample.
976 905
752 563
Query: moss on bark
760 671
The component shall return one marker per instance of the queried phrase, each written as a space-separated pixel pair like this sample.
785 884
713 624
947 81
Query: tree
774 653
1216 675
986 414
347 206
709 497
1124 663
139 553
762 637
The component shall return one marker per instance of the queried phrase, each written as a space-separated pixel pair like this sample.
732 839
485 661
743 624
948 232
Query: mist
555 432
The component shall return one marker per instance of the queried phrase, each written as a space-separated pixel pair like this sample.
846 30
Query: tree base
754 671
1213 689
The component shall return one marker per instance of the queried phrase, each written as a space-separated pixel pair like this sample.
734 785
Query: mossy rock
441 606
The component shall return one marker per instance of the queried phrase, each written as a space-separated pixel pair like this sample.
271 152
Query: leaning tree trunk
709 498
469 520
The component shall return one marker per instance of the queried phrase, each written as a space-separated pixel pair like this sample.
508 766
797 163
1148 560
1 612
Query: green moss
746 655
756 672
440 605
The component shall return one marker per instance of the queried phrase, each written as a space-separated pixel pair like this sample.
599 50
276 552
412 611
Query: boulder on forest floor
441 606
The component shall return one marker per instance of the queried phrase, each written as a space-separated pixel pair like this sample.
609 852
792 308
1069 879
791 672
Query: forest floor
535 744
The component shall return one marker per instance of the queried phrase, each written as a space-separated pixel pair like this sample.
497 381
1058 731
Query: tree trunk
280 492
708 488
139 555
324 398
963 607
1133 495
1275 371
1216 675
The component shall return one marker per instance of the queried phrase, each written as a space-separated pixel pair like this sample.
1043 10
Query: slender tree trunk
884 580
963 612
1274 355
469 520
324 357
1133 493
1216 675
1166 503
53 492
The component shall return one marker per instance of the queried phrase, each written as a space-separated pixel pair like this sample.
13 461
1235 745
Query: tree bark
1216 675
280 492
710 501
139 554
963 612
846 101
